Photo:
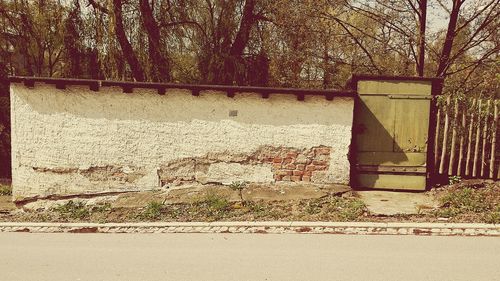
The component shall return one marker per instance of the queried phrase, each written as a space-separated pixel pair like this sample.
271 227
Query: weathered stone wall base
280 191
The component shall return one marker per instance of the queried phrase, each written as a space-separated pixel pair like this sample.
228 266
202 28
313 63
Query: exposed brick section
291 164
288 164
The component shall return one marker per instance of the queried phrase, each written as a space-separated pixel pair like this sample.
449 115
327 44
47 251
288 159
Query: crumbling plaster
63 139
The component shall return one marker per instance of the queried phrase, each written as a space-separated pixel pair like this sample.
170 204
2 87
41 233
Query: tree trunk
127 50
422 18
327 76
450 37
240 42
160 64
72 41
247 21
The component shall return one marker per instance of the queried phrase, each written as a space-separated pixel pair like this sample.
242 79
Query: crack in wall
126 174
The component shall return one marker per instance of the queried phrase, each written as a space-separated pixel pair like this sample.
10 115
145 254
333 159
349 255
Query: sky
437 17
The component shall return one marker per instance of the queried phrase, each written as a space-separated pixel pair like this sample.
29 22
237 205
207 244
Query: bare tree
159 62
127 50
420 10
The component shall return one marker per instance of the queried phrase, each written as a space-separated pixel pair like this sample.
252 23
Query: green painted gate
391 132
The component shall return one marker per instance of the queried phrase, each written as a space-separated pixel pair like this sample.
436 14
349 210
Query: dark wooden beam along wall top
128 87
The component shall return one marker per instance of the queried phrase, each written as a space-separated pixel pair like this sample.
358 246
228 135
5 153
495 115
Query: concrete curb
363 228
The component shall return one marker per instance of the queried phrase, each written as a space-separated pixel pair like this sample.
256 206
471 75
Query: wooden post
494 138
485 137
469 141
478 133
461 144
453 140
445 136
498 173
436 139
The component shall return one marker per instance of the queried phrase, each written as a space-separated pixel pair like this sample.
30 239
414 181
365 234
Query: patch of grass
493 217
152 211
101 208
257 209
454 179
73 210
331 208
472 204
213 205
5 190
346 209
216 203
313 207
463 201
78 210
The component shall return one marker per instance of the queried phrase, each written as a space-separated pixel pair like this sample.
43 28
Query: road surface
25 256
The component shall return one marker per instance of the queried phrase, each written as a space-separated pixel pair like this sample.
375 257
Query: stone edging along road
363 228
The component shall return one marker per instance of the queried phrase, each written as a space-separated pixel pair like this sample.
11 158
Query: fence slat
436 138
494 138
465 143
453 140
469 141
461 143
445 136
498 172
485 139
478 134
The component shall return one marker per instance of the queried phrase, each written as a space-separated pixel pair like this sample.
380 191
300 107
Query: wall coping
300 93
128 87
436 82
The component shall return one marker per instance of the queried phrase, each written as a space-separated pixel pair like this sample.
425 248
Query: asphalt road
25 256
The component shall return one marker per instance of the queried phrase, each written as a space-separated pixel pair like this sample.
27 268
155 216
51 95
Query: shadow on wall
5 160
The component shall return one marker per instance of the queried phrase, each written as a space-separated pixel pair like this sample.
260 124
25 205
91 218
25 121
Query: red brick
323 157
300 167
301 159
288 160
290 166
322 150
319 168
310 168
284 173
278 177
298 173
277 166
318 162
277 159
295 178
306 178
269 159
307 173
292 154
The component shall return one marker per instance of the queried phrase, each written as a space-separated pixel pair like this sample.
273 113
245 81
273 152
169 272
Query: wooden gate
390 132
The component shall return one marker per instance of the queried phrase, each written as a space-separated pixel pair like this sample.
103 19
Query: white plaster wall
78 129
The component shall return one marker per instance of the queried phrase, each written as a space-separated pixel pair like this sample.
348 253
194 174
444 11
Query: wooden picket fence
465 143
